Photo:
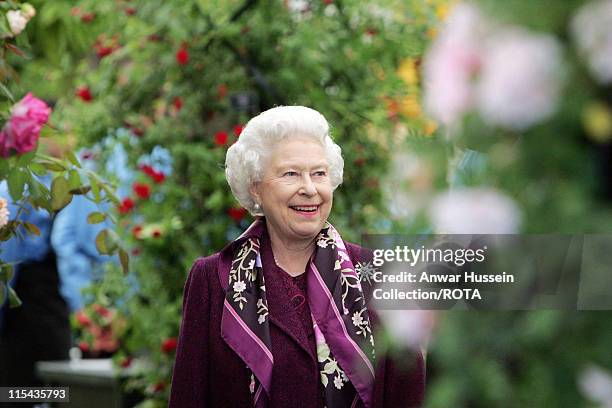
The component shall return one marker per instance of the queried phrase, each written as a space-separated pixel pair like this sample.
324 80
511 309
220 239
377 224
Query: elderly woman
279 318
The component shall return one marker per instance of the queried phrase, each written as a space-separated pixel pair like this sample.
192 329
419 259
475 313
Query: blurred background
455 117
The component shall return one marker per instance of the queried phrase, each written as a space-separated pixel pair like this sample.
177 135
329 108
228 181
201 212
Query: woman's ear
254 190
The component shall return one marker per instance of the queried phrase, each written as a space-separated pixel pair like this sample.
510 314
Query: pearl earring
257 207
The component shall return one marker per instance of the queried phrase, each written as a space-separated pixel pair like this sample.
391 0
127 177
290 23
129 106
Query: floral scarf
345 344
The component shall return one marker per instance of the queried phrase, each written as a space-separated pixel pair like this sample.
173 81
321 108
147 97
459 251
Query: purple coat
207 372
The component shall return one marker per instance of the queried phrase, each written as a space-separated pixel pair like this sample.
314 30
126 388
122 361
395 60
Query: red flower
142 190
160 386
130 11
101 310
157 176
84 93
126 205
82 318
103 50
84 346
221 138
182 55
168 345
237 214
137 131
238 130
136 231
178 102
156 233
87 17
126 362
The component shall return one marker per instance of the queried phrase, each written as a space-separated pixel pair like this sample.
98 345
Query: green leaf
74 180
16 182
73 159
38 169
41 197
107 241
6 274
4 168
8 94
14 300
31 228
26 158
110 194
101 242
96 217
125 260
60 193
82 190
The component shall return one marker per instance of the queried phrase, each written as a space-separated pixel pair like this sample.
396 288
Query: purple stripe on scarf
258 400
250 348
323 307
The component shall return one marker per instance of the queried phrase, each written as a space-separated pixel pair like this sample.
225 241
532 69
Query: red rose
101 310
236 214
160 386
182 55
82 318
136 231
158 177
156 233
126 362
221 138
168 345
178 102
84 93
130 11
84 346
142 190
126 205
238 130
87 17
103 50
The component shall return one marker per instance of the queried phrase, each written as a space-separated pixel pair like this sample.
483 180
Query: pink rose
22 130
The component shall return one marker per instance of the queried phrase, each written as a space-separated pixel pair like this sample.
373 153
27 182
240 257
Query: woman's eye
290 174
320 173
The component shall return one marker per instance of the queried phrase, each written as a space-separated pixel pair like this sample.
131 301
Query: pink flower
452 63
22 130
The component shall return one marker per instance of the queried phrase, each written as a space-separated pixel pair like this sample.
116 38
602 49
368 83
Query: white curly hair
246 159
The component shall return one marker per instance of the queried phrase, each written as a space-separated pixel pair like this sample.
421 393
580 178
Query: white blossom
591 29
596 384
411 328
475 211
520 79
4 212
239 286
17 21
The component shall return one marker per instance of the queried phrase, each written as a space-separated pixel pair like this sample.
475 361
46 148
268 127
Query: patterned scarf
345 345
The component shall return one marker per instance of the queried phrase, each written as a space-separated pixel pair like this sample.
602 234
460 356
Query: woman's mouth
305 209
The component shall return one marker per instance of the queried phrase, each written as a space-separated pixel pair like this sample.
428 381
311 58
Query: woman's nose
308 187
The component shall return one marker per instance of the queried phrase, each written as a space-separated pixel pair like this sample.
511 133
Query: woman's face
296 193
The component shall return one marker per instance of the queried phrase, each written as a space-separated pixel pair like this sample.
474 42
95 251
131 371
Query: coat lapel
281 312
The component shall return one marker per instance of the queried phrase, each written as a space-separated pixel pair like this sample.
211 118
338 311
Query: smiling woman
279 317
